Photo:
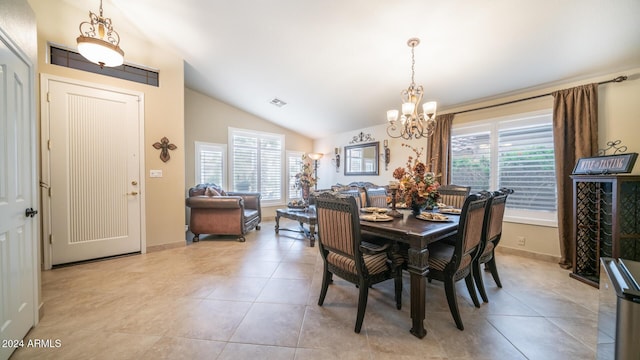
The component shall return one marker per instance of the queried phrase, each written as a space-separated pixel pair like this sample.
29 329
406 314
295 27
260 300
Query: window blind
257 160
526 165
210 163
471 160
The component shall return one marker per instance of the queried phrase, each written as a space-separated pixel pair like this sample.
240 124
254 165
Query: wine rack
606 211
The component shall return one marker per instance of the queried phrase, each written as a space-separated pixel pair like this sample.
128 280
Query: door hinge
49 144
50 238
49 192
48 97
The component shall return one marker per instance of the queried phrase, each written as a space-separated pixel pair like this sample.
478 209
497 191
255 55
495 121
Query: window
74 60
256 163
516 153
294 166
210 163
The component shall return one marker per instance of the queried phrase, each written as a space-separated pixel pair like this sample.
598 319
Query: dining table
417 234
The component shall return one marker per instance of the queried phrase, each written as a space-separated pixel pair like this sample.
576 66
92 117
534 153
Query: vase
305 193
416 209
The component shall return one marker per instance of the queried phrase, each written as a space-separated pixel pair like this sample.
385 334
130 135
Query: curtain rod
617 79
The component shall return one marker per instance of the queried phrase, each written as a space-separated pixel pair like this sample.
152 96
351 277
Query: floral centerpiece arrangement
304 179
418 187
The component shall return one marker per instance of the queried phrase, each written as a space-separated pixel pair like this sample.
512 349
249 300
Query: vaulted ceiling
340 64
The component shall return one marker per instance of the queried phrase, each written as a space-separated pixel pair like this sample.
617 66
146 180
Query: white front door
94 165
18 232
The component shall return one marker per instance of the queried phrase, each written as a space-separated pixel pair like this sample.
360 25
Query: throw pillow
211 192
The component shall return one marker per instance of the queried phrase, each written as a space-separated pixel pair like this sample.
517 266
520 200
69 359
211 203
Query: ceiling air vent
277 102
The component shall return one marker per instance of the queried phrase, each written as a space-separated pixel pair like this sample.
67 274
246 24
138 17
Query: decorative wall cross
164 148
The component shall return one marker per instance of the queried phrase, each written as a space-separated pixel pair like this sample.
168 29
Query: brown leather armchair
216 212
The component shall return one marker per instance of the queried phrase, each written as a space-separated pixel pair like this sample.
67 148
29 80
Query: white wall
327 170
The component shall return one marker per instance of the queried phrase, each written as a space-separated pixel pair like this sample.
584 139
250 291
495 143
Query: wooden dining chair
451 263
492 233
345 254
453 195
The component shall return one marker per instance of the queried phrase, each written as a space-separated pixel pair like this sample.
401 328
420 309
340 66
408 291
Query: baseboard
172 245
528 254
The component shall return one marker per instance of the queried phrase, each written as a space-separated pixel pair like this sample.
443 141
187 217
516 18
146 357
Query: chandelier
412 124
98 42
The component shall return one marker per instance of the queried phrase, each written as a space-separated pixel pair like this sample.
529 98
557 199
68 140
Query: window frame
202 145
261 135
493 126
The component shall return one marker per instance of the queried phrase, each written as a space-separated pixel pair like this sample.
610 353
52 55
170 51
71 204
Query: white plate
451 211
376 218
374 209
434 220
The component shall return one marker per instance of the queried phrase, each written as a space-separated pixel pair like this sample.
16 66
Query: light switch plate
155 173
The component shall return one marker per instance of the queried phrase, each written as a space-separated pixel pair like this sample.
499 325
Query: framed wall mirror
361 159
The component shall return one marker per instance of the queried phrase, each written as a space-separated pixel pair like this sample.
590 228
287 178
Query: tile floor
221 299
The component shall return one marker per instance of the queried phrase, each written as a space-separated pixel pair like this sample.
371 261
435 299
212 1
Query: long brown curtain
439 148
575 132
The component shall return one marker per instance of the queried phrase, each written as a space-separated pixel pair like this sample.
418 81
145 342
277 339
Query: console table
302 216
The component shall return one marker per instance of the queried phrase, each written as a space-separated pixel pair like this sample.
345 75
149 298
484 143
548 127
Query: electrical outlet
521 240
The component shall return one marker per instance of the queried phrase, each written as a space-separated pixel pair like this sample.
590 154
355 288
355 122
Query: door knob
133 193
30 212
134 182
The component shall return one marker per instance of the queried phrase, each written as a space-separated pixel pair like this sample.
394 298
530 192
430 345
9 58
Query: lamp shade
315 156
100 52
392 115
429 109
408 108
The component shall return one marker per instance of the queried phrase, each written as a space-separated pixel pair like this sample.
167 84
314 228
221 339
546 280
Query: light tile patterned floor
222 299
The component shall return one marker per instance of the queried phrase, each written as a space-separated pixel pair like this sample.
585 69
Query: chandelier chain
413 64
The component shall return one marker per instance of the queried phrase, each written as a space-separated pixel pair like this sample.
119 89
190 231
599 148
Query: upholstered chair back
376 197
453 195
470 228
496 215
336 225
358 195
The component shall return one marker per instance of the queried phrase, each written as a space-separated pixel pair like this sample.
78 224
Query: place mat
376 217
432 217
